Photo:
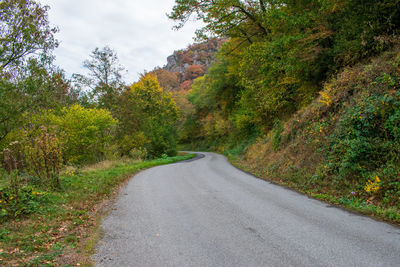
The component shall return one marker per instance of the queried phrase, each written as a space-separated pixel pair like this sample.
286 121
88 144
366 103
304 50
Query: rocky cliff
200 54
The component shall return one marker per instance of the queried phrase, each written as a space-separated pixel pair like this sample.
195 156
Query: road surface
207 213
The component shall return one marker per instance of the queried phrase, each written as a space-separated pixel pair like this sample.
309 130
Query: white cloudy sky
138 30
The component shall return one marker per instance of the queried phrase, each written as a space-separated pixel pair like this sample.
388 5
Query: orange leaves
193 72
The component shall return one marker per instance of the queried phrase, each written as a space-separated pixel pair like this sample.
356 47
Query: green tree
146 108
87 133
24 30
29 80
39 85
104 78
232 18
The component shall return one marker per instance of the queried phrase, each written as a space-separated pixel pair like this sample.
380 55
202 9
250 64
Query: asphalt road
208 213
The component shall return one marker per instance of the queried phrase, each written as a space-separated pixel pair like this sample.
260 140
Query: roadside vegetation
52 127
39 226
344 146
303 93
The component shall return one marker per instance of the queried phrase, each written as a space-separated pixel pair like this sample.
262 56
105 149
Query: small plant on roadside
325 98
13 157
24 201
44 158
36 156
373 186
277 134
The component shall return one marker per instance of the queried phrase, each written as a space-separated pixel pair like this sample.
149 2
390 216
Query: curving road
207 213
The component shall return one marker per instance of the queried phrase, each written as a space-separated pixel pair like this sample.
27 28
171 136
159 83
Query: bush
26 200
44 158
85 132
133 145
366 141
38 154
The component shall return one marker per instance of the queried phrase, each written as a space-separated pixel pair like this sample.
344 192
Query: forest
49 121
302 93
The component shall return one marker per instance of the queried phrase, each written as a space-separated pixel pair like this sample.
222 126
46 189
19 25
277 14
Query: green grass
60 230
349 202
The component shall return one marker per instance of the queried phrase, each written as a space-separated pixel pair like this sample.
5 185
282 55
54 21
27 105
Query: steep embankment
345 146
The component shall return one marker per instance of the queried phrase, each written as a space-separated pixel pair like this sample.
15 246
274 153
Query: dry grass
305 135
107 164
306 131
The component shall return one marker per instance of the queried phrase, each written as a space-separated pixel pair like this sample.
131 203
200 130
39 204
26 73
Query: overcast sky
138 30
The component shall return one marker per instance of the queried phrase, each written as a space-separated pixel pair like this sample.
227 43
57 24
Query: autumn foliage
291 93
148 113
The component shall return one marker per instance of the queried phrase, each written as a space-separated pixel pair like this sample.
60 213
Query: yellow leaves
325 99
37 193
288 80
373 186
148 99
148 83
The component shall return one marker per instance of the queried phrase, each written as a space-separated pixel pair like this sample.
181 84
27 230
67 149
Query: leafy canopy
24 30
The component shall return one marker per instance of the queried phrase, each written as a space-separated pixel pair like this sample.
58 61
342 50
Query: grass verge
65 228
350 202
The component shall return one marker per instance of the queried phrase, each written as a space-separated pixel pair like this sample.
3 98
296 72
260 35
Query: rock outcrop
201 54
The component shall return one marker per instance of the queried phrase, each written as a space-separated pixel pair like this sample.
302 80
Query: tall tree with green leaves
145 110
40 85
29 81
24 30
104 79
231 18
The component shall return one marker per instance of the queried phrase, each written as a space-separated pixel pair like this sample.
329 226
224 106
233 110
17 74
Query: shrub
38 154
133 145
86 133
44 158
366 142
277 134
24 201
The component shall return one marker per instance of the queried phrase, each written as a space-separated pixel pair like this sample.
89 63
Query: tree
40 85
169 81
278 54
104 78
146 108
231 18
24 30
29 80
193 72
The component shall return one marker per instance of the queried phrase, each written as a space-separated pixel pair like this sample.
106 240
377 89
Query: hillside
304 94
185 65
343 147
